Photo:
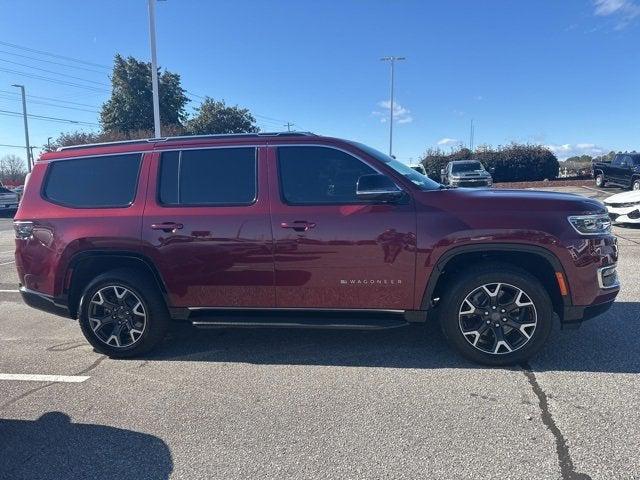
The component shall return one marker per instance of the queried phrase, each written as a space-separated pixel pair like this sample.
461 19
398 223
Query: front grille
623 205
613 216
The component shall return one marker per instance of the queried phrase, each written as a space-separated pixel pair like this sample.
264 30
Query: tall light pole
26 124
393 61
154 69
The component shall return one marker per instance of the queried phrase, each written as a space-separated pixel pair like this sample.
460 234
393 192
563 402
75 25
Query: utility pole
393 60
288 125
26 124
471 133
154 69
49 143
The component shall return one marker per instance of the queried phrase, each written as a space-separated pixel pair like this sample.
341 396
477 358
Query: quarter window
93 182
218 176
319 175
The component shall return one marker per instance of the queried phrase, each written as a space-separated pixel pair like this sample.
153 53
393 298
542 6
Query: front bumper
621 215
575 315
43 302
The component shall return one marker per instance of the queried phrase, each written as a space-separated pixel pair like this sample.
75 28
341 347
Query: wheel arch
86 265
539 261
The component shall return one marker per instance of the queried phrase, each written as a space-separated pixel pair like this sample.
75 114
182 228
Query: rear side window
217 177
319 175
93 182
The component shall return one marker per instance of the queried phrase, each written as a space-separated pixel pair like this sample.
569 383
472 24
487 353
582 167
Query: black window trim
327 204
45 182
207 205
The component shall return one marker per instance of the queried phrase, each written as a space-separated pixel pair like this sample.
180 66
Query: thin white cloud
448 142
400 113
566 150
623 11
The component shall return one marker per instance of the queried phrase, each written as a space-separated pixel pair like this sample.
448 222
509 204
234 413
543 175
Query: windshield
419 180
466 167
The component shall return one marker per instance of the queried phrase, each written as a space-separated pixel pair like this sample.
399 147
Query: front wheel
600 181
636 184
496 315
122 313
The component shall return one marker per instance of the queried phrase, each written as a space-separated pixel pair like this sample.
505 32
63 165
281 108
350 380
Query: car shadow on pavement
608 343
52 447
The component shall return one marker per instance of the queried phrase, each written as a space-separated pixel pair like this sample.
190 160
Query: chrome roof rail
187 137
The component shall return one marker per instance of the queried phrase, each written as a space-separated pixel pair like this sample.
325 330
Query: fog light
608 277
634 215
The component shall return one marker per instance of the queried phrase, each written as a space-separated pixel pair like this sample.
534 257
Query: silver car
466 173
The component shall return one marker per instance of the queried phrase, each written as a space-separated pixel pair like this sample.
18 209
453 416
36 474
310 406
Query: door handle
298 225
167 227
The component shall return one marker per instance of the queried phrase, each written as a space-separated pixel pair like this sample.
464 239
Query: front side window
319 175
217 176
421 181
93 182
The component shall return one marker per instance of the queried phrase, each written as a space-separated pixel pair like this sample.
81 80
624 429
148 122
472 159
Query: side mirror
443 172
377 187
492 170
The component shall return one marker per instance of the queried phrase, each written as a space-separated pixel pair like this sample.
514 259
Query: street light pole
26 124
154 69
393 60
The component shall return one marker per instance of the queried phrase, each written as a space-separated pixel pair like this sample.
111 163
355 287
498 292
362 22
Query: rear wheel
636 184
496 315
600 181
123 314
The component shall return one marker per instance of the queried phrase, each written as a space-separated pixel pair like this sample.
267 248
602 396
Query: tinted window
5 190
317 175
219 176
107 181
635 159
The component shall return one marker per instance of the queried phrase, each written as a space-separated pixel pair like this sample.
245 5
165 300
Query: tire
600 181
139 327
524 329
635 185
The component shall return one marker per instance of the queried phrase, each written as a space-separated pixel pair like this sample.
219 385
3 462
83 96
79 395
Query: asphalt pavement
240 404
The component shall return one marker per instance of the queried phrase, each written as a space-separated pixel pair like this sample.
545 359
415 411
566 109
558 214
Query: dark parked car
623 171
298 230
466 173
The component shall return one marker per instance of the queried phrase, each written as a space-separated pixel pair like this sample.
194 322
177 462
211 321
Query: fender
448 255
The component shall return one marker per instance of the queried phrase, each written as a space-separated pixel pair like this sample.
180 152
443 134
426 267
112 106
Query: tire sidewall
600 180
530 285
635 185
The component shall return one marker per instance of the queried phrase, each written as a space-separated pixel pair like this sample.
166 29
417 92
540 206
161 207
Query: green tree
130 107
213 117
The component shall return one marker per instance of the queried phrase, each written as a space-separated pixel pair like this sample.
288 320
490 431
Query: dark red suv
300 230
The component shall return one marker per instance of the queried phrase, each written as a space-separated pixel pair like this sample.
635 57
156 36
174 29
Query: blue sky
560 73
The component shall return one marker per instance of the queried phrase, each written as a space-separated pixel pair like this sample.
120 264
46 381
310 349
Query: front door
333 250
206 227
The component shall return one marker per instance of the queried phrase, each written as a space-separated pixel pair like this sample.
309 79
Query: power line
11 146
38 102
52 80
55 73
51 99
42 52
44 117
51 62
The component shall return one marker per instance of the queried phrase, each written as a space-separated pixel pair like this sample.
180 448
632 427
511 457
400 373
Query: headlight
591 224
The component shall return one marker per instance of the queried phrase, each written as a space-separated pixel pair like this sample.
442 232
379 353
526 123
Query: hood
497 201
624 197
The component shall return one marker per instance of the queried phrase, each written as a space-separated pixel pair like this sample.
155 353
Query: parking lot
318 404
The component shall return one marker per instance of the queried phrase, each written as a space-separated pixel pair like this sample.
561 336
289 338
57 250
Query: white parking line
9 291
43 378
7 251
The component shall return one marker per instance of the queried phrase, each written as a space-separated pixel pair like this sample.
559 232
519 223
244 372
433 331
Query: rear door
333 250
206 227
